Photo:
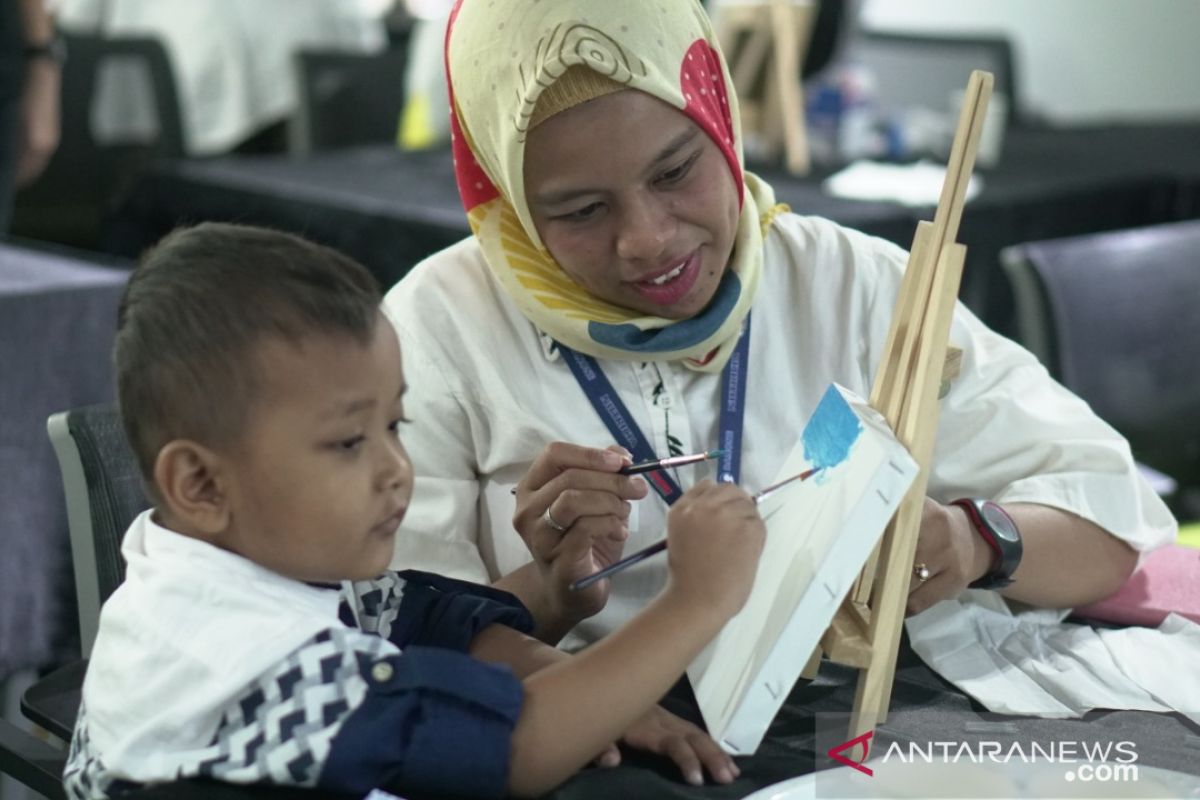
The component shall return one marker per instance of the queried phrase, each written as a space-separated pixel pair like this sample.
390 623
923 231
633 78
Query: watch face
1000 522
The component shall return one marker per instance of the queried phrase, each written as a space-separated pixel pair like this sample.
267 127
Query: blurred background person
30 75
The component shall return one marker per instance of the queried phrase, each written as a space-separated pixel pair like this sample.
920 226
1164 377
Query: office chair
921 71
69 201
103 487
31 761
104 493
347 99
1114 317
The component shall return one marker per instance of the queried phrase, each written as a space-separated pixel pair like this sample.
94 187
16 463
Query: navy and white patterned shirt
209 666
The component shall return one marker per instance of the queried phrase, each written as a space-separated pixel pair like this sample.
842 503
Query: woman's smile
670 286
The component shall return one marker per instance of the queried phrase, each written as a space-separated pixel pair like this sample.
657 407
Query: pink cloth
1167 581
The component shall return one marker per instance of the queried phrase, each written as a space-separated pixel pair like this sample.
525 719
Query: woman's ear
192 482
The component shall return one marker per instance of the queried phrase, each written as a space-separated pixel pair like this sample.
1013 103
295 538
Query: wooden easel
766 40
865 632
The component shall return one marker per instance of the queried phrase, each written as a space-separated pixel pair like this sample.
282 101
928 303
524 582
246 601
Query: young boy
262 390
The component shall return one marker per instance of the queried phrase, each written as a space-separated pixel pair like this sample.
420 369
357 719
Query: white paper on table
918 184
1034 664
1154 657
820 533
380 794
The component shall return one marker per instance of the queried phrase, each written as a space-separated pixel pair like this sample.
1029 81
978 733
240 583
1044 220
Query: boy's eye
351 444
394 425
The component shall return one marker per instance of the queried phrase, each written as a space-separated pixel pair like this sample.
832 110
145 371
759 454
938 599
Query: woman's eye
675 173
587 212
394 425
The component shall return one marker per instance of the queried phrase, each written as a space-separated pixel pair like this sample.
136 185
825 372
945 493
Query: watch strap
1006 554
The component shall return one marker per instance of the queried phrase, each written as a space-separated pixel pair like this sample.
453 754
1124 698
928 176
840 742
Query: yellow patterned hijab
501 57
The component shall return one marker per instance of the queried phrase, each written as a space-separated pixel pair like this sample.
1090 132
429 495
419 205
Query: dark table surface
390 209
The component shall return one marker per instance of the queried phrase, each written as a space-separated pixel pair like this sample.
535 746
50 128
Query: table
390 209
57 318
232 59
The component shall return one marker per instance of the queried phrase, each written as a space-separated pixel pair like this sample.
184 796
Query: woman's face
634 201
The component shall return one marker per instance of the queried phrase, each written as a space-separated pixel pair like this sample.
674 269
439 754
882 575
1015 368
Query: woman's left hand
952 552
693 751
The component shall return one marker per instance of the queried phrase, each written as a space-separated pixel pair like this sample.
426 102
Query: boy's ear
192 482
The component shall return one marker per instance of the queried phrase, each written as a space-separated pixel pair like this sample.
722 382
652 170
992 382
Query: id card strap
620 423
617 419
733 408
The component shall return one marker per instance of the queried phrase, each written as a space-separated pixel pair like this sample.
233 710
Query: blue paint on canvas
831 431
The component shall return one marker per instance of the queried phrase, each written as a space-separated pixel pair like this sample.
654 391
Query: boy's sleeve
432 721
419 608
347 712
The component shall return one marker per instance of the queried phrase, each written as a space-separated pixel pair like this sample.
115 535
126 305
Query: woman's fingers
544 514
558 457
938 588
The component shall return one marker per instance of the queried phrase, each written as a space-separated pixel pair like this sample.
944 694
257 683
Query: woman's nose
646 228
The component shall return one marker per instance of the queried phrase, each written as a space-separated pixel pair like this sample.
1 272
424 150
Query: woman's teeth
672 275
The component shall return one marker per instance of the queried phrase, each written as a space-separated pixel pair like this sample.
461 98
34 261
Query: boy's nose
395 467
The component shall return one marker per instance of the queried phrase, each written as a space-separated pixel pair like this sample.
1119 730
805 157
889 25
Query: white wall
1077 61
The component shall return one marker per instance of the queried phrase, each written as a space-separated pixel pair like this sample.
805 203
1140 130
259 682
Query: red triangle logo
865 740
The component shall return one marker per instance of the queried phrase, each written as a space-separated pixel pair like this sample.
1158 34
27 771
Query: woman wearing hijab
629 282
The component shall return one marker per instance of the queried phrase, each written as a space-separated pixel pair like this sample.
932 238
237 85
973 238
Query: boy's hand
659 731
589 501
714 539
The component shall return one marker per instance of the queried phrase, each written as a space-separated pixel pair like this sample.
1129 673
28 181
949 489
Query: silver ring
550 521
921 572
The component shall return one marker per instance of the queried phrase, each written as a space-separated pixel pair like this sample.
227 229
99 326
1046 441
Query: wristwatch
997 528
54 49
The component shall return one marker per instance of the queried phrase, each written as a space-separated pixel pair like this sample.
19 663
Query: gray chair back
104 493
1114 317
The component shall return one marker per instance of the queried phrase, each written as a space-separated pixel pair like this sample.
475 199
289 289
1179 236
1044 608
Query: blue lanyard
616 416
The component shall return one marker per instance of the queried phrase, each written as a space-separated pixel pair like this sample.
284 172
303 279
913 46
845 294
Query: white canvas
820 533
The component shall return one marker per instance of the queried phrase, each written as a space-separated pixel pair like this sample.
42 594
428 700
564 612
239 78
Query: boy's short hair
196 307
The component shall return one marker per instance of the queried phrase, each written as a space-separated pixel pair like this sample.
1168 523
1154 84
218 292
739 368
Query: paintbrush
668 463
663 463
659 546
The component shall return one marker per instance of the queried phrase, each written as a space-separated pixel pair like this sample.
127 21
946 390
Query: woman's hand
693 751
572 511
953 553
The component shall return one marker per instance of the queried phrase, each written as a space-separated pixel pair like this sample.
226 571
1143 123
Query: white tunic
486 393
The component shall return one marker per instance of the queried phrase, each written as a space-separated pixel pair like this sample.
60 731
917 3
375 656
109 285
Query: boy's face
321 481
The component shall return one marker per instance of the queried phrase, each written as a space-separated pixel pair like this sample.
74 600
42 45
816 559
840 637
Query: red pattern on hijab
703 87
474 186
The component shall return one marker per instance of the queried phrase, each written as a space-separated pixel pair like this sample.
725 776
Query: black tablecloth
390 209
57 319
